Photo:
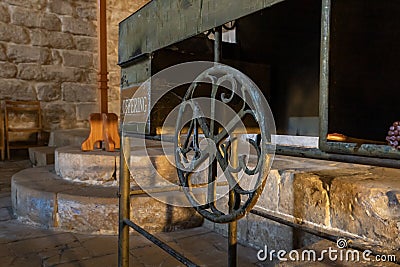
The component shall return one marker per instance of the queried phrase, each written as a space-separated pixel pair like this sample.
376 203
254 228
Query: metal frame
125 223
369 150
191 17
232 226
197 16
124 200
134 46
330 235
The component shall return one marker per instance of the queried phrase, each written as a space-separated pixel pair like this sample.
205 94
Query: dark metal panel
156 25
135 97
161 23
135 74
215 13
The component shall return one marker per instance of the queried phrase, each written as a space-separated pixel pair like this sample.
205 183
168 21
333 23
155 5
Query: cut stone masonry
48 52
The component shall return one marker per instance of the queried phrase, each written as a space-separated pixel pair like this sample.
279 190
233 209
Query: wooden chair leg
110 131
96 133
103 127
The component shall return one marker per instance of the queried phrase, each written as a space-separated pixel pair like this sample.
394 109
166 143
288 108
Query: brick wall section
48 52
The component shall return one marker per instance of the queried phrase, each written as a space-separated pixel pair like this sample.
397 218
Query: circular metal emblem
222 143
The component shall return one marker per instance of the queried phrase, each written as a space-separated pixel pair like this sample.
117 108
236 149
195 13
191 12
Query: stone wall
48 52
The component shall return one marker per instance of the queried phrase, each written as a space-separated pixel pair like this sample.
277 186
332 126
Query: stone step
40 196
91 167
149 167
41 156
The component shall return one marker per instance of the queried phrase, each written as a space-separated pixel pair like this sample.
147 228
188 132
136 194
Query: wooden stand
103 128
103 125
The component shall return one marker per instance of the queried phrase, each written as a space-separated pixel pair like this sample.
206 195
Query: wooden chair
23 124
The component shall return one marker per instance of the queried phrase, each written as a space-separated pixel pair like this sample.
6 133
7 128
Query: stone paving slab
58 241
38 247
11 231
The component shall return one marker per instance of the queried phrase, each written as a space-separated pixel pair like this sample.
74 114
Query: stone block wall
48 52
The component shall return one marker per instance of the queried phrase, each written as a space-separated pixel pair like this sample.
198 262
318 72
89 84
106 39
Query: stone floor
25 245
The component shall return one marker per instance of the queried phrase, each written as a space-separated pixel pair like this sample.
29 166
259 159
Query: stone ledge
40 196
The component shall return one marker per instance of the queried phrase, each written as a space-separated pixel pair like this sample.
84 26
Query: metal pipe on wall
102 63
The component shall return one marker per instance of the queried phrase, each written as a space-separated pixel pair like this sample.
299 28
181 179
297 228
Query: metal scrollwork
124 80
212 131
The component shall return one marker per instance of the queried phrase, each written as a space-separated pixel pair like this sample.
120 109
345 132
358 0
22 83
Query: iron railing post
217 44
232 227
124 205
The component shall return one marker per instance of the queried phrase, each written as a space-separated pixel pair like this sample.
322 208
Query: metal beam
161 23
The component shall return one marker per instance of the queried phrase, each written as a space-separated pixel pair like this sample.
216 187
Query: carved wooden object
103 127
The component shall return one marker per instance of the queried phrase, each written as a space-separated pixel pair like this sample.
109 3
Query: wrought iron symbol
223 143
124 80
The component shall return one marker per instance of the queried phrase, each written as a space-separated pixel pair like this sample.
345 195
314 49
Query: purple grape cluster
393 137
